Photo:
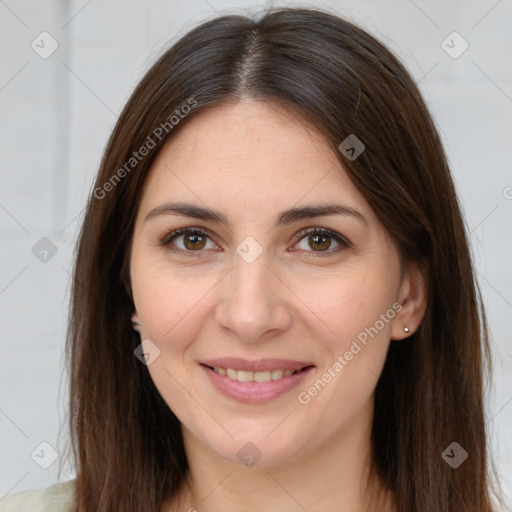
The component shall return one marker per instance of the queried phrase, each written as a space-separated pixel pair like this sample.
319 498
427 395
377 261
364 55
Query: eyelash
344 243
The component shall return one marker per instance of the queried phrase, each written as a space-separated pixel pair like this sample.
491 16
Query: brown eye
319 242
194 241
188 240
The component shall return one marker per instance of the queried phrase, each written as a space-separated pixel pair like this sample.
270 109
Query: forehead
238 155
243 125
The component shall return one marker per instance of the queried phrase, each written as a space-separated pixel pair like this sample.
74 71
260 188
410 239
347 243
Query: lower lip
255 392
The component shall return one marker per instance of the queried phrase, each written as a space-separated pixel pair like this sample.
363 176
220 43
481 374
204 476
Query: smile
253 387
248 376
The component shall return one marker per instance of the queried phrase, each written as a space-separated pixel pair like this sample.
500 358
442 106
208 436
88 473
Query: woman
274 304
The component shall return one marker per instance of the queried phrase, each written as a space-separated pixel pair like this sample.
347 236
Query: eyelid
343 241
166 239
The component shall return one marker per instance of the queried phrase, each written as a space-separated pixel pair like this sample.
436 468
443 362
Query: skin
250 161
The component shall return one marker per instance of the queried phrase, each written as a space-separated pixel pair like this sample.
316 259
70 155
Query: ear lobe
135 322
413 298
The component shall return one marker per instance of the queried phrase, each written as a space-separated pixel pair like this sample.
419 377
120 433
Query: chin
257 445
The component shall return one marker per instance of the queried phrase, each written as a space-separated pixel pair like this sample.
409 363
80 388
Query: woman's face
257 289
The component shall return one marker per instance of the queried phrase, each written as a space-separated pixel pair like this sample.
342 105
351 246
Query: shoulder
55 498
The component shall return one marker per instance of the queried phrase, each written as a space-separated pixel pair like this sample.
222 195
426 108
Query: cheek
171 308
352 316
168 300
345 305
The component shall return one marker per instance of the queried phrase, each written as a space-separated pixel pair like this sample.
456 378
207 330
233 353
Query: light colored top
55 498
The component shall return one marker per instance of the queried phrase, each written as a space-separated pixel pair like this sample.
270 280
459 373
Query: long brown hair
126 442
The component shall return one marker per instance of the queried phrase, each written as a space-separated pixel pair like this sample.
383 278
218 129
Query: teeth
277 374
262 376
247 376
232 374
244 376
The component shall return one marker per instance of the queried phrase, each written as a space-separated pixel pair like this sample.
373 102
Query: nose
254 301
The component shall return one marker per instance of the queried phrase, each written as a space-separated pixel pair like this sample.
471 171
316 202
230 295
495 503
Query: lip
260 365
256 392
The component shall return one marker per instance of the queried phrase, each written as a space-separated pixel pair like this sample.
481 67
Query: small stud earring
406 329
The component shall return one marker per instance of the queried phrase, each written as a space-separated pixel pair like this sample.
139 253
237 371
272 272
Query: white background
56 116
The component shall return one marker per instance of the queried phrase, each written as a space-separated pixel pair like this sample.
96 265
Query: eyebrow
284 218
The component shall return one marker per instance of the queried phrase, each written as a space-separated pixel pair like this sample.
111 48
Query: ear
136 322
413 298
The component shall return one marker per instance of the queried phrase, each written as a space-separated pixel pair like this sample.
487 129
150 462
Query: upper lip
260 365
